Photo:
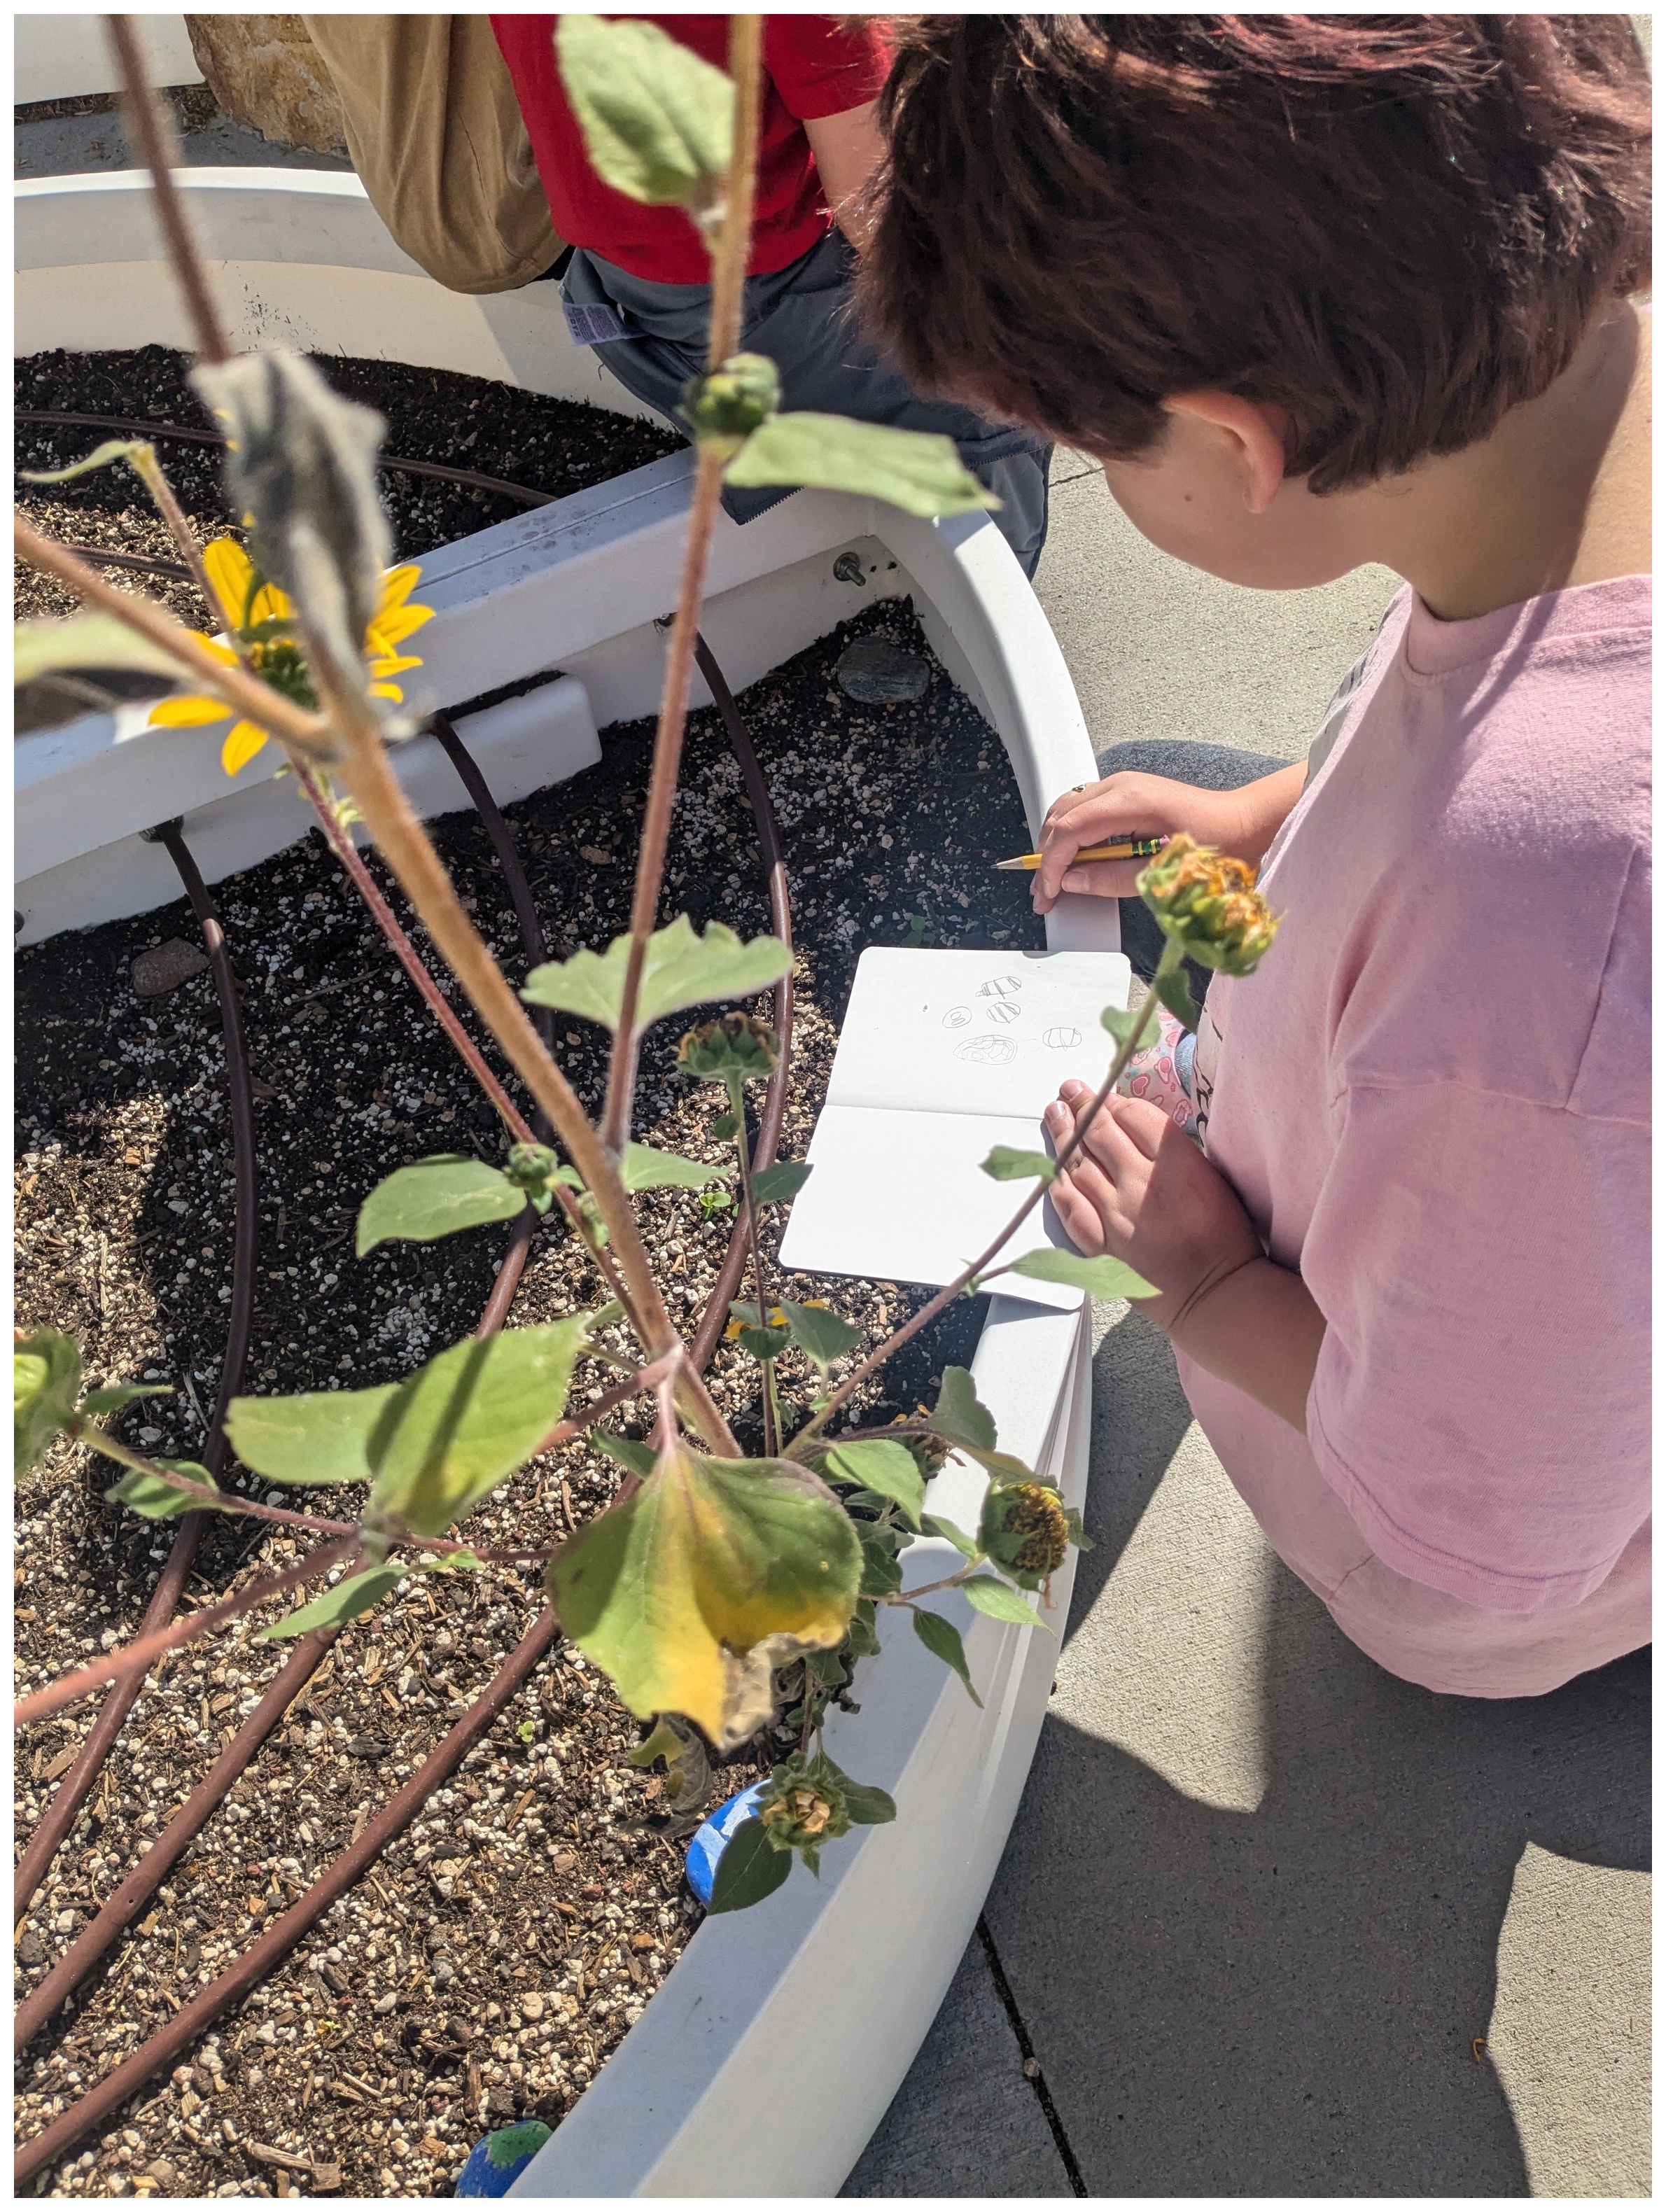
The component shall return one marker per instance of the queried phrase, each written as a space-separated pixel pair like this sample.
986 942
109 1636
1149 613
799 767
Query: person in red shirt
636 283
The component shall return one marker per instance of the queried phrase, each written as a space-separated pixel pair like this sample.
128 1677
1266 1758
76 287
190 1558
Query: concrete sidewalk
1262 1901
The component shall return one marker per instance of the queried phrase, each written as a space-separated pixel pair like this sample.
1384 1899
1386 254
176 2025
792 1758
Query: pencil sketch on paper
987 1051
1001 986
957 1018
1061 1039
1004 1010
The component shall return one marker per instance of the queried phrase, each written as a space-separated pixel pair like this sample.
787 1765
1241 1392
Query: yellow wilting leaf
716 1572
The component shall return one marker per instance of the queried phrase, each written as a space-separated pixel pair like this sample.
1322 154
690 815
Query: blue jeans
802 318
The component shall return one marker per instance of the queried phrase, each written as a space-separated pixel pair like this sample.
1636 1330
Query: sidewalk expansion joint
1032 2064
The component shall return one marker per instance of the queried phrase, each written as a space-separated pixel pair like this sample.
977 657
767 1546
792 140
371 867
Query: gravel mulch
500 1950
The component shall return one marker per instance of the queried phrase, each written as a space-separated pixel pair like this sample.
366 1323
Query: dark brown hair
1394 227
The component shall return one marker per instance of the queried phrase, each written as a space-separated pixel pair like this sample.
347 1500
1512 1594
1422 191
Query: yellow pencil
1125 848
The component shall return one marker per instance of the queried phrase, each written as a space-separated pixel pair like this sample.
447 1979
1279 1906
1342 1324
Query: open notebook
941 1056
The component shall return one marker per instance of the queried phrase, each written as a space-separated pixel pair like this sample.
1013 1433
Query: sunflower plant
261 630
729 1595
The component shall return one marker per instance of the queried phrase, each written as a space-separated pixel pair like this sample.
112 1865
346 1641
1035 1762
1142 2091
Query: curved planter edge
859 1961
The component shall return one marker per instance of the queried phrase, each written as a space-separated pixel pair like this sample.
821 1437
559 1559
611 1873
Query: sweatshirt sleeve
1481 1403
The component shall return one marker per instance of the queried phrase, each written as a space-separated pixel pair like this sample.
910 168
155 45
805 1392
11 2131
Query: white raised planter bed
853 1968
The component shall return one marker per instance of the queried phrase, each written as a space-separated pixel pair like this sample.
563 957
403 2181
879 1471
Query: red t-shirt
813 67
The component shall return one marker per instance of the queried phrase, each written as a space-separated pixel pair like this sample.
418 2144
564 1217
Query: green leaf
345 1602
1122 1024
867 1807
156 1499
824 1336
683 969
627 1450
942 1639
658 121
1176 993
1103 1277
749 1868
644 1169
435 1197
115 1396
935 1525
38 648
713 1574
1007 1164
113 449
727 1126
46 1378
508 2146
764 1343
918 471
958 1413
663 1743
881 1570
321 1436
1001 1602
888 1470
452 1433
785 1179
456 1563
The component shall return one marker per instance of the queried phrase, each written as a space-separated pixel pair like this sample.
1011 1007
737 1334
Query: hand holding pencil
1099 838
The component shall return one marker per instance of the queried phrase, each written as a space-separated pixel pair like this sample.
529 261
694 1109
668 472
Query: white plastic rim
858 1962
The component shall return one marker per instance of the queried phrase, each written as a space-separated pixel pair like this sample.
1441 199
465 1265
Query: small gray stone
881 674
167 966
30 1949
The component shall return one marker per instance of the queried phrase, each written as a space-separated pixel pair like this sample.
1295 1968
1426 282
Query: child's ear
1256 429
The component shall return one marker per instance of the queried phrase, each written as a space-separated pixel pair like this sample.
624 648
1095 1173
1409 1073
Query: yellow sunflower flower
256 612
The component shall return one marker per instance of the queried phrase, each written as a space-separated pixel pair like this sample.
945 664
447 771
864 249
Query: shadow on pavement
1283 2001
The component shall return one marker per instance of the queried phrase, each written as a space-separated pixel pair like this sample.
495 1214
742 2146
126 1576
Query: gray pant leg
1184 760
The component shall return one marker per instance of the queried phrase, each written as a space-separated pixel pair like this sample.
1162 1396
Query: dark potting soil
554 446
504 1945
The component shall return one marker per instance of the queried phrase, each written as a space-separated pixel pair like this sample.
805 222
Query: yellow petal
394 664
386 691
397 587
181 713
240 747
228 571
388 630
270 605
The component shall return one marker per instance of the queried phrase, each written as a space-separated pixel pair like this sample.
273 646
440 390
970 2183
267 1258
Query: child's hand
1098 813
1243 822
1139 1189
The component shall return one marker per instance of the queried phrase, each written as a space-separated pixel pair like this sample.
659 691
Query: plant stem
148 470
728 286
949 1582
137 1658
403 843
760 1287
733 251
1170 960
153 139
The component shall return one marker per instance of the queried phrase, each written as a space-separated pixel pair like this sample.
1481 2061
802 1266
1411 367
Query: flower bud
530 1167
728 405
735 1046
1026 1529
1207 903
802 1806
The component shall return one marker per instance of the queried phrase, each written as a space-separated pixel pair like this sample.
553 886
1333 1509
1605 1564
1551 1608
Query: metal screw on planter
881 674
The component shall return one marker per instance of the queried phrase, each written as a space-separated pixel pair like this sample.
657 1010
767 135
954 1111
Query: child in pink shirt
1320 292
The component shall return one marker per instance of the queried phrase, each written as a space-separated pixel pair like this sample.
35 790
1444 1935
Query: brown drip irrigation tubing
71 1795
470 476
152 1871
262 1956
160 2049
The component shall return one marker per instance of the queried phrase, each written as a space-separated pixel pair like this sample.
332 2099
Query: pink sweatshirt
1433 1098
